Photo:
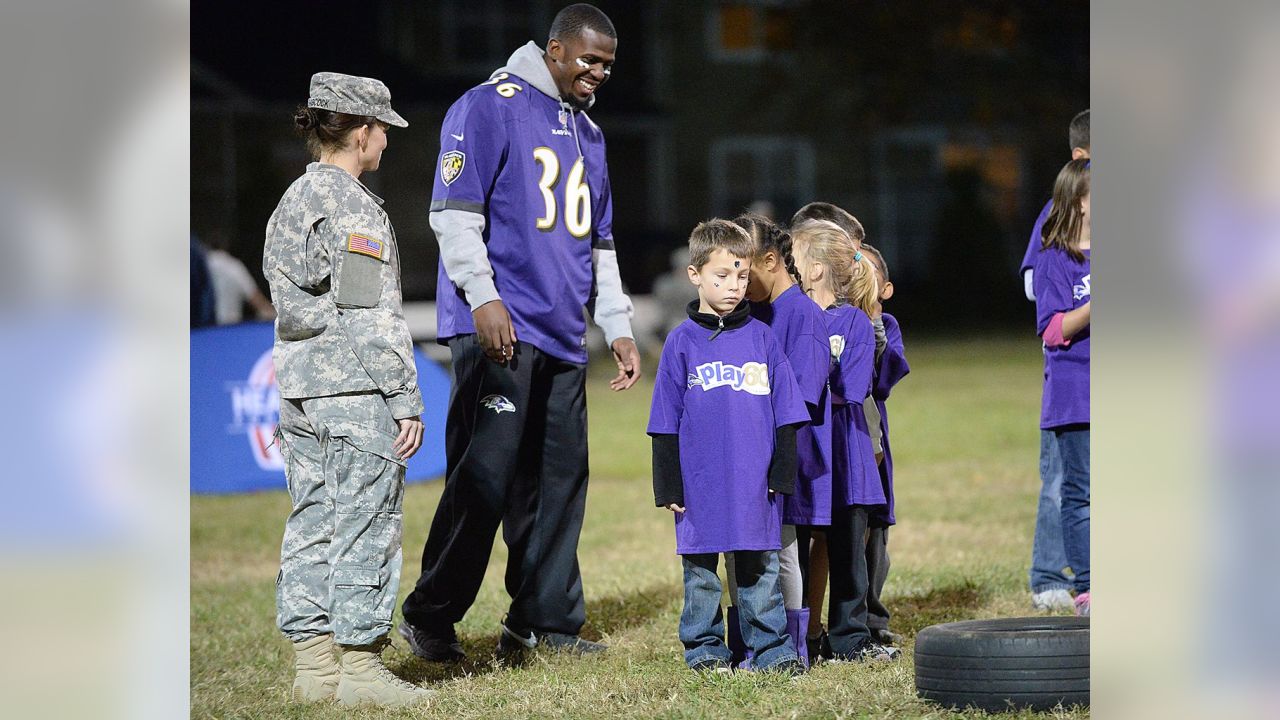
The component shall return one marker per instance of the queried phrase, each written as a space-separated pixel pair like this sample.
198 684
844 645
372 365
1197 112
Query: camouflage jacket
334 270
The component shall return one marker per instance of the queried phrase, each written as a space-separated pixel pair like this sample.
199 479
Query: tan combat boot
317 667
366 680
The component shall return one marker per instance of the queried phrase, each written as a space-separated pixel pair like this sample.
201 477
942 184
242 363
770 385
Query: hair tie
857 256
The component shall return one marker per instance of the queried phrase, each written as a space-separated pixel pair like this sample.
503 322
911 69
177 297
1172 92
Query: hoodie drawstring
573 116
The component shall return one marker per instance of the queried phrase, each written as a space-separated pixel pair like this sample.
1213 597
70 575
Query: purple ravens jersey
537 172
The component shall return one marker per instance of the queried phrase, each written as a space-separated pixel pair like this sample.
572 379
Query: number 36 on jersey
577 196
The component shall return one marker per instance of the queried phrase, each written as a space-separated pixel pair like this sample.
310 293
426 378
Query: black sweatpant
877 574
516 455
847 551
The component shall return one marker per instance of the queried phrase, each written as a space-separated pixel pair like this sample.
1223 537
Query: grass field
965 447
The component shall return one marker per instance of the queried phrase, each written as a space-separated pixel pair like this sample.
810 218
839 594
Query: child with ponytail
842 281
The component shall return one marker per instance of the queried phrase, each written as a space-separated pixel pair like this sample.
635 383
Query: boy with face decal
523 213
725 408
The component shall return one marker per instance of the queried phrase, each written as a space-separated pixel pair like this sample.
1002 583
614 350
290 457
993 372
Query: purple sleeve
668 392
810 360
473 146
893 361
603 237
1036 242
852 377
1053 288
788 408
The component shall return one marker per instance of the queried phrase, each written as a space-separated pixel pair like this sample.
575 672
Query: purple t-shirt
725 398
515 160
1036 242
891 368
855 479
800 326
1062 284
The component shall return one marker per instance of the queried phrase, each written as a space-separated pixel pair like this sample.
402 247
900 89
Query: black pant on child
516 452
877 574
847 550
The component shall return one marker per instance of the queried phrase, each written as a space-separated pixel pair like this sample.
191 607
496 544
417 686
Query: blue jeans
760 610
1073 445
1048 555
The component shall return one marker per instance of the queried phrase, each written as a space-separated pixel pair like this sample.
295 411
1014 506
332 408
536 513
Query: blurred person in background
349 400
203 299
672 293
523 212
233 286
1050 584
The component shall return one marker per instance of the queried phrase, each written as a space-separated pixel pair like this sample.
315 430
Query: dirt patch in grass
913 613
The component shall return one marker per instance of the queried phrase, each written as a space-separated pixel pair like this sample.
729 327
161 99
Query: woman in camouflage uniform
349 399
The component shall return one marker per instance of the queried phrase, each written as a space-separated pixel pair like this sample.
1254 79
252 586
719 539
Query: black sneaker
819 647
443 647
790 666
560 642
893 652
712 666
866 652
886 637
514 643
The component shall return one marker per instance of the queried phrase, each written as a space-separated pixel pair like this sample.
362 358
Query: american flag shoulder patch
364 245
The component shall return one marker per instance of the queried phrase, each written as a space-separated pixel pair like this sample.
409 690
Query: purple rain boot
798 628
739 653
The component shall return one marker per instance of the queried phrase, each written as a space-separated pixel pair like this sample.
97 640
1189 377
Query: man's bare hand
675 508
627 355
494 330
410 437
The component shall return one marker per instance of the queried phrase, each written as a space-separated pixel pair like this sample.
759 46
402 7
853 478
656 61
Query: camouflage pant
340 559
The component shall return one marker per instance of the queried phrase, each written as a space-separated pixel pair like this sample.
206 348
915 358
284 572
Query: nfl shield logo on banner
451 164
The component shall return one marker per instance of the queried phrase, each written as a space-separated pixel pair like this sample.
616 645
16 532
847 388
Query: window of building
465 37
747 170
751 30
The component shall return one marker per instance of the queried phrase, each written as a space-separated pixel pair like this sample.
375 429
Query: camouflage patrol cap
354 96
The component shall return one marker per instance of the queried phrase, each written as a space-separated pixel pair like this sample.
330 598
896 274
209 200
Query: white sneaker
1052 600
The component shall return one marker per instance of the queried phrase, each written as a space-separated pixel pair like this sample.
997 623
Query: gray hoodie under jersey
461 233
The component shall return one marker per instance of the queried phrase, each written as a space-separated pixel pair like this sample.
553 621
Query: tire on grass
1005 664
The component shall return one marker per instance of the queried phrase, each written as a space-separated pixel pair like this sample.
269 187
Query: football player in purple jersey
523 212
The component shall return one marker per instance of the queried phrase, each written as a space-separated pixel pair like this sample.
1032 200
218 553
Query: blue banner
235 406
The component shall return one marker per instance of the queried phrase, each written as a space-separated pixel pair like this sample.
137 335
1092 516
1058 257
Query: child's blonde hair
831 213
849 273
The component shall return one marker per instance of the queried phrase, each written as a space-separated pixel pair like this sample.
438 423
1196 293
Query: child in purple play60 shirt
725 408
1063 300
801 328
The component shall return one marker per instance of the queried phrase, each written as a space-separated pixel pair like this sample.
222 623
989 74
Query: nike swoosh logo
456 137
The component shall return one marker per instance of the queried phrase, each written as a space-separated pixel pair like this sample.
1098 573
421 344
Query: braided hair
768 236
